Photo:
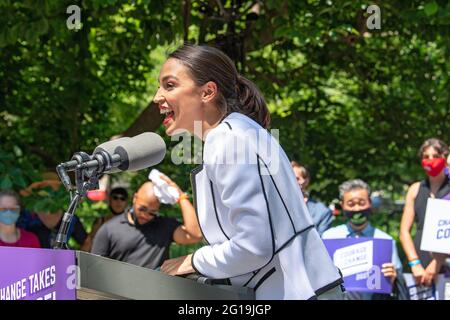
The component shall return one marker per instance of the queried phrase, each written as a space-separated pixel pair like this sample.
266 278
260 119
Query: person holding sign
424 265
356 206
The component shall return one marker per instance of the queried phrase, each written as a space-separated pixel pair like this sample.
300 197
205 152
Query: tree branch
186 12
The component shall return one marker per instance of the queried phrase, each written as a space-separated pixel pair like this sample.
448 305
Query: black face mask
358 218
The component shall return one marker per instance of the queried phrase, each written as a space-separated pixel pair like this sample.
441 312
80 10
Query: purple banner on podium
360 260
37 274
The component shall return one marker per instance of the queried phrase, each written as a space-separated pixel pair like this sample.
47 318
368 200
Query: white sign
436 229
355 258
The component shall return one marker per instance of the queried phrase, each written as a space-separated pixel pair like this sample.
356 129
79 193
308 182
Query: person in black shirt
141 236
425 266
118 204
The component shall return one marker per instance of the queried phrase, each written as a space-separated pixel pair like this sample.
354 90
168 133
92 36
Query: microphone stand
86 179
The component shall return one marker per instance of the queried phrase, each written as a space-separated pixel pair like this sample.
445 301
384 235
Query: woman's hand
178 266
418 272
171 183
389 271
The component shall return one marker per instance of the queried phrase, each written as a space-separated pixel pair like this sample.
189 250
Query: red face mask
433 166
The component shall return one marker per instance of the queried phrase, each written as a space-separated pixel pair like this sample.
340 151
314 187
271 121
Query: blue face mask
9 217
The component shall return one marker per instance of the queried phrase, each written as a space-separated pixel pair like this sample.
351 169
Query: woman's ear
209 91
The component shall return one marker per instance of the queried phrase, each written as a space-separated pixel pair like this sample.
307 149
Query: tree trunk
149 120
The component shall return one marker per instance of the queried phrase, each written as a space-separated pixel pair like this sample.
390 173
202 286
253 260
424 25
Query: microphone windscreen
110 146
140 152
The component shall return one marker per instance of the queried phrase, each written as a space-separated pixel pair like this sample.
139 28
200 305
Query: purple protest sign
37 274
360 260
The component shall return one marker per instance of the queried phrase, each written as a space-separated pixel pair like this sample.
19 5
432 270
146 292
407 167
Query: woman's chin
170 126
173 129
170 129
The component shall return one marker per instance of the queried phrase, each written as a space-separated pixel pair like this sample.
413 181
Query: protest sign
37 274
360 260
436 228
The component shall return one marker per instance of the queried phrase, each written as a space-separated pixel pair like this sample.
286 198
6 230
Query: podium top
125 280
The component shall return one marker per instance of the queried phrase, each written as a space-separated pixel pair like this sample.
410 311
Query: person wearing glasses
117 203
10 235
141 236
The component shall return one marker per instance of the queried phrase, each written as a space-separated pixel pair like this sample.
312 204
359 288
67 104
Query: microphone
142 151
127 154
109 147
124 154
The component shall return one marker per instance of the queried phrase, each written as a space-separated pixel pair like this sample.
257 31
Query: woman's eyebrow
168 77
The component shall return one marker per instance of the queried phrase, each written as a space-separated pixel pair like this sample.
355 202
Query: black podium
100 278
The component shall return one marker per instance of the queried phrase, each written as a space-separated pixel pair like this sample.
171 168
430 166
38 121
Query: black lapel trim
228 124
281 248
194 172
293 237
268 211
279 194
270 223
215 210
264 278
329 286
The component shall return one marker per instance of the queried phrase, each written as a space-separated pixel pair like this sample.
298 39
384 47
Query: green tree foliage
65 90
348 101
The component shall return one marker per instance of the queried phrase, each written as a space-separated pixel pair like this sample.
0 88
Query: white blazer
257 227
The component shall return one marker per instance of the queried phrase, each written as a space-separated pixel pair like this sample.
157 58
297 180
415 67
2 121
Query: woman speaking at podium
258 231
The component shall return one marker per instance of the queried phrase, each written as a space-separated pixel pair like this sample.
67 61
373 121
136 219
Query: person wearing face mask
10 235
424 266
357 207
141 236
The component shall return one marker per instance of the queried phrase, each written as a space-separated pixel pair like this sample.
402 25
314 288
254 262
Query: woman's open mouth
169 114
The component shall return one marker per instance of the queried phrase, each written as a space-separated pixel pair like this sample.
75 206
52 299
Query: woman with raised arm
258 231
